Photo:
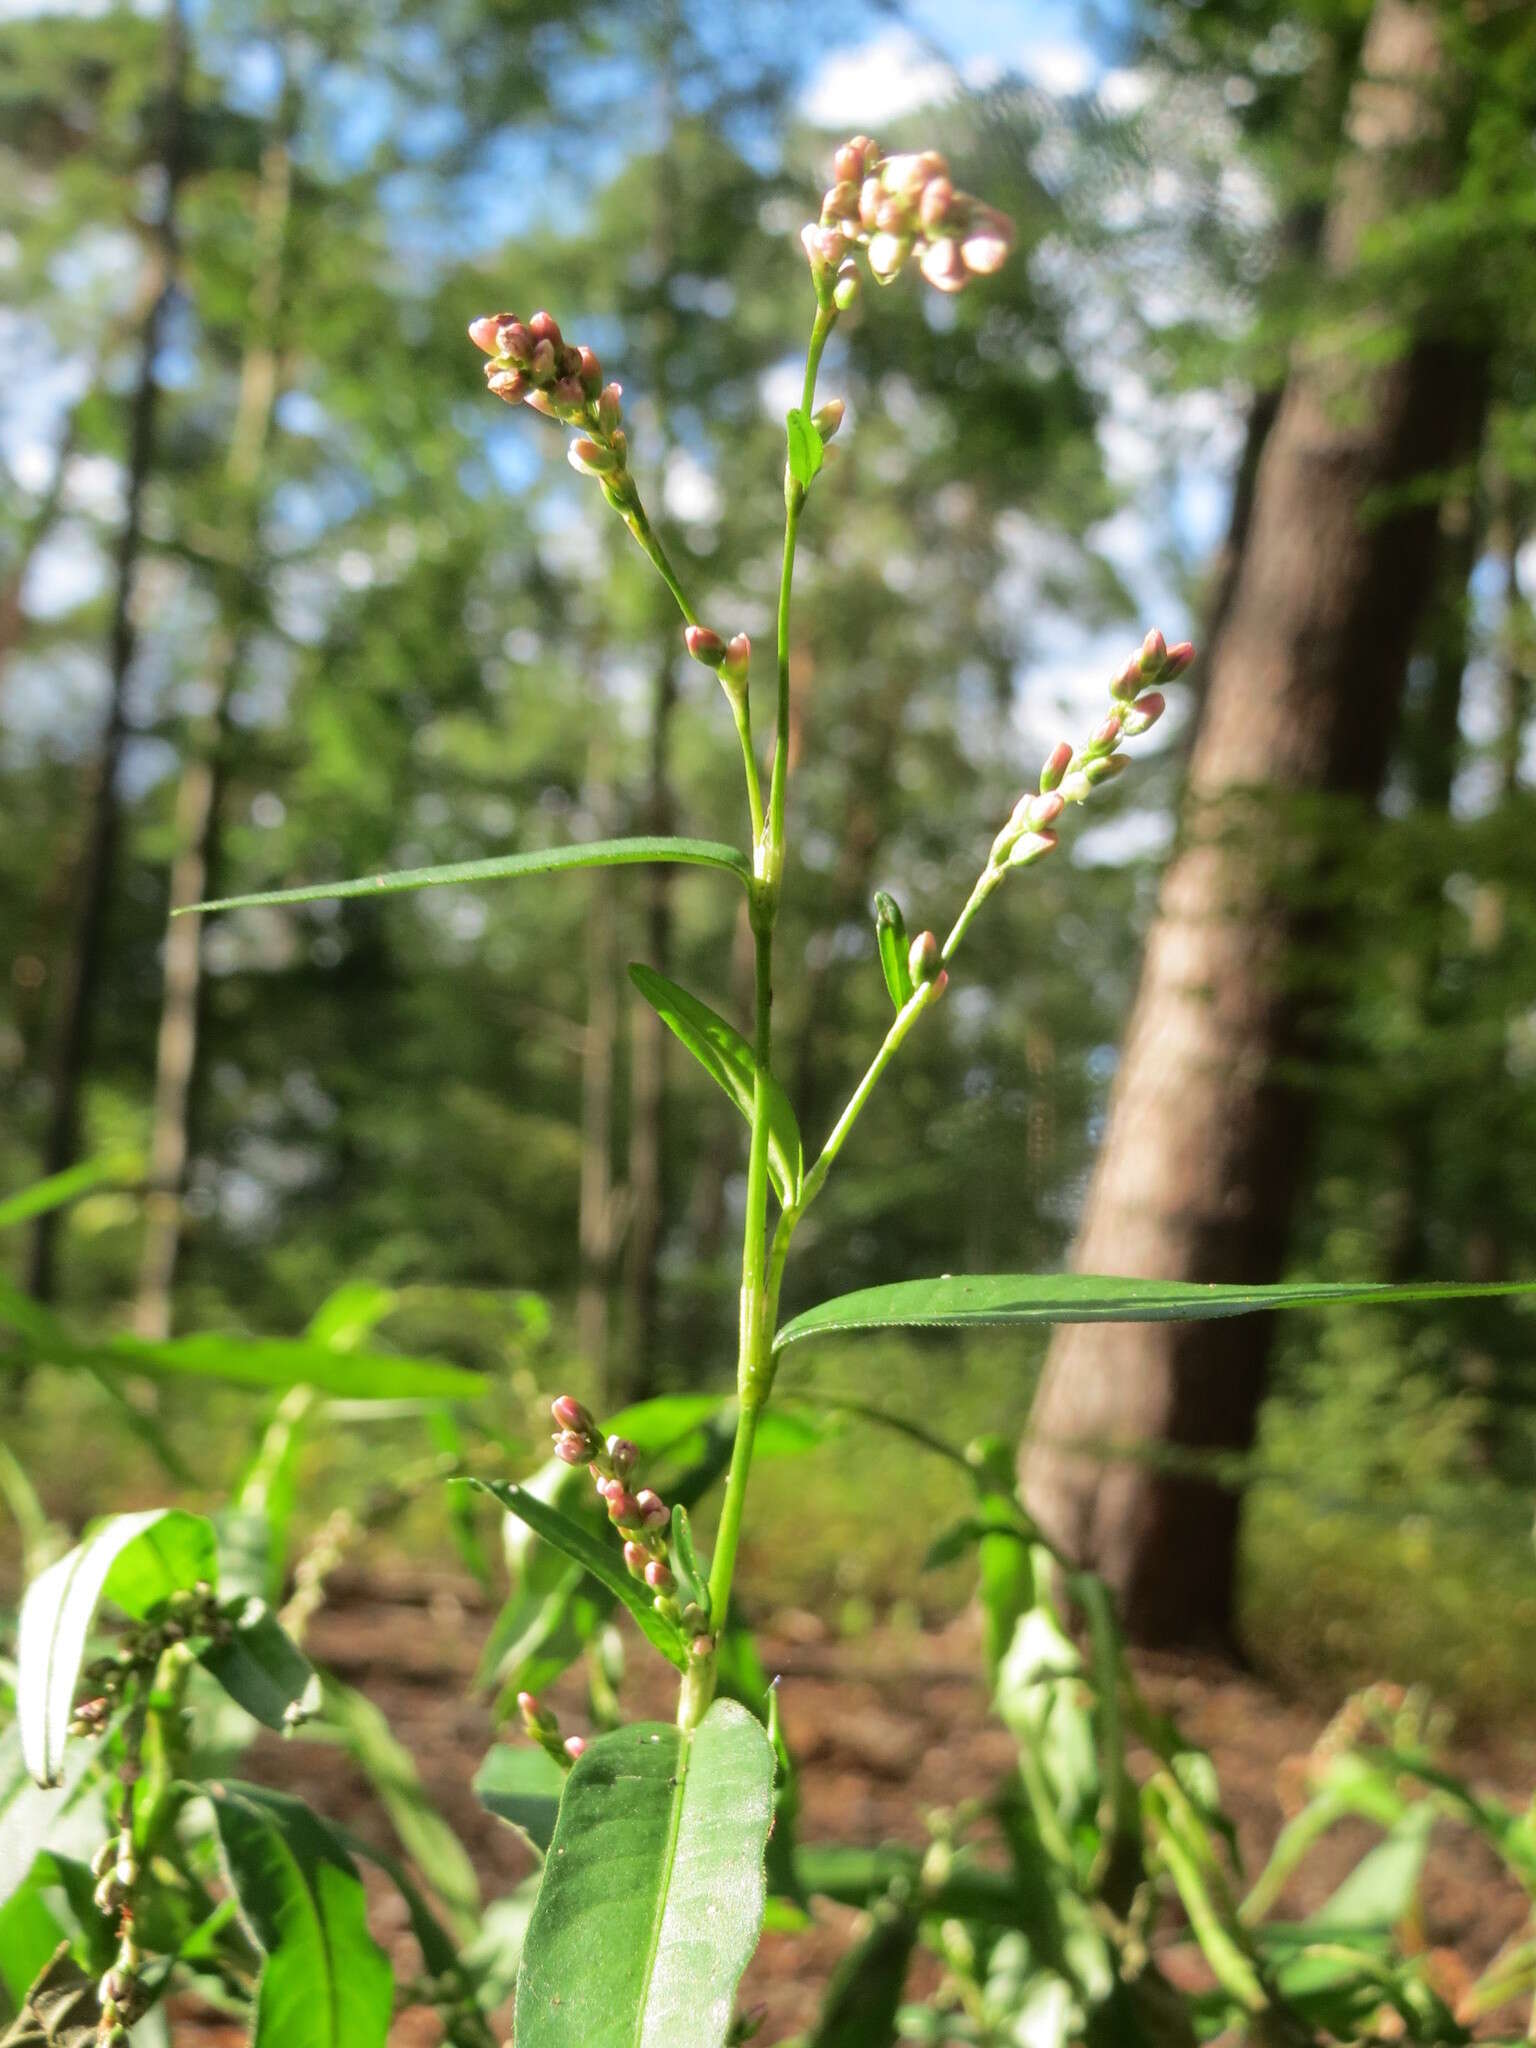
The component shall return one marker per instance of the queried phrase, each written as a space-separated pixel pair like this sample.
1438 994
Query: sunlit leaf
522 1786
727 1058
652 1958
549 860
984 1300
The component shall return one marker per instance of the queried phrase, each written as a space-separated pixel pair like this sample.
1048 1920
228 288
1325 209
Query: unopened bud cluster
191 1611
543 1727
900 210
115 1868
1071 774
640 1515
531 363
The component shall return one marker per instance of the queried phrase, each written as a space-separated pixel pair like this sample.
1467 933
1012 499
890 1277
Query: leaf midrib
664 1891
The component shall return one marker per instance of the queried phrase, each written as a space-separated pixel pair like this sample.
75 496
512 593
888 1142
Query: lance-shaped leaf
653 1889
986 1299
325 1982
263 1670
594 1556
891 938
504 867
271 1362
135 1560
727 1058
59 1189
523 1788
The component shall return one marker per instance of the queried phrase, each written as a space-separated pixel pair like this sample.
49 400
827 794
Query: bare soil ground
884 1729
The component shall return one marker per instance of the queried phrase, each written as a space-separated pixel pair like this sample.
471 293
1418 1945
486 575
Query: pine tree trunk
1200 1167
198 798
81 974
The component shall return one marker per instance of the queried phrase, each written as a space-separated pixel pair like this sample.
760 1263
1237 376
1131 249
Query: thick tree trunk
198 798
81 972
1199 1170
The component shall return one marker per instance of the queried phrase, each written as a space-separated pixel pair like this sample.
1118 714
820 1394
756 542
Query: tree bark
81 974
198 799
1200 1167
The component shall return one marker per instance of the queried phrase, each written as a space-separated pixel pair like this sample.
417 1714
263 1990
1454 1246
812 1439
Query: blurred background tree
283 596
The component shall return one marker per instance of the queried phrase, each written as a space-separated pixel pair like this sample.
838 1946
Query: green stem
988 880
794 504
634 517
742 713
759 1298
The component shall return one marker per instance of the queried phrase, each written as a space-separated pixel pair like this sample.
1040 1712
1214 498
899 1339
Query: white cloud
1064 68
876 81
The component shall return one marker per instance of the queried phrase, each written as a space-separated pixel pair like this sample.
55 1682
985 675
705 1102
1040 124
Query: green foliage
681 1818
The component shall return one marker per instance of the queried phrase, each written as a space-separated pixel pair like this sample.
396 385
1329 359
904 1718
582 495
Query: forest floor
884 1728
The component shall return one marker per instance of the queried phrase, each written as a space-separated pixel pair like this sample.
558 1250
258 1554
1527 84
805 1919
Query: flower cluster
531 363
1071 774
900 209
543 1727
641 1516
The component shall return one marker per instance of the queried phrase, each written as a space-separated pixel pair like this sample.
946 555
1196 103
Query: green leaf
326 1983
423 1833
859 2010
136 1560
987 1299
1380 1890
891 937
264 1670
62 1188
523 1787
653 1890
593 1556
727 1058
807 450
274 1362
549 860
692 1576
66 1817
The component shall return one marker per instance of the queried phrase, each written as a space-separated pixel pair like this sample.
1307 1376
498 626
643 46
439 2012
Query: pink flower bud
840 202
1128 682
1154 652
704 645
1106 735
607 1486
1031 847
848 162
738 654
622 1506
568 394
893 217
1057 762
622 1455
828 418
514 340
637 1557
940 983
1104 769
545 327
483 332
574 1746
1075 786
871 199
1144 714
588 459
608 407
923 958
846 290
590 371
938 197
1177 660
541 364
654 1512
985 248
887 253
1041 812
528 1706
701 1647
570 1413
658 1577
943 266
905 175
570 1448
507 384
539 401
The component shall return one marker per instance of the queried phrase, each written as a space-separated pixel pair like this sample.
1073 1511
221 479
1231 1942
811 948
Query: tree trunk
198 799
1199 1170
81 973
